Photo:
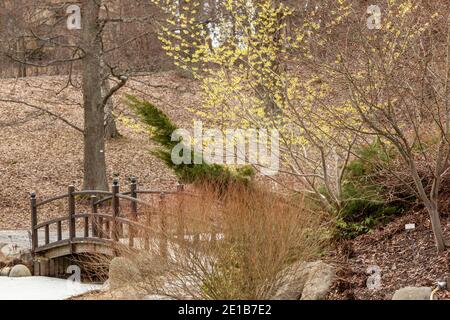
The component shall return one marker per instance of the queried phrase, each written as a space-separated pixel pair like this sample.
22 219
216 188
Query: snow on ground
41 288
36 288
21 238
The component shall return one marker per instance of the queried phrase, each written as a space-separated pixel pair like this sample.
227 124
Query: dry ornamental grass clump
233 245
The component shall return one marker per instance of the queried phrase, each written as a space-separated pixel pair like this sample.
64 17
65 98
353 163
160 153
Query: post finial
133 179
116 181
33 195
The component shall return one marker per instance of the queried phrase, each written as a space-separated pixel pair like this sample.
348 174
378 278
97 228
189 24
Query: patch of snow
21 238
41 288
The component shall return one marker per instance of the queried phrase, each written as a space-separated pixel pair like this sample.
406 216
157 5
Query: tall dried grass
233 245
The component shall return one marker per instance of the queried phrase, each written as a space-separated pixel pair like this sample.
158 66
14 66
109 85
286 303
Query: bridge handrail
52 199
122 196
92 192
113 222
50 222
109 195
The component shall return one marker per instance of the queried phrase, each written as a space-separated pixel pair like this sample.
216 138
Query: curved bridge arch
101 234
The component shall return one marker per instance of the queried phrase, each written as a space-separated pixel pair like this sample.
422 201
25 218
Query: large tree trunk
94 115
111 130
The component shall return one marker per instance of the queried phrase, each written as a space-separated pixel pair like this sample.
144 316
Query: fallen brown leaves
43 154
405 259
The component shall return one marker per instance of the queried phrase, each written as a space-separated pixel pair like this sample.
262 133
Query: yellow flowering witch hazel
247 59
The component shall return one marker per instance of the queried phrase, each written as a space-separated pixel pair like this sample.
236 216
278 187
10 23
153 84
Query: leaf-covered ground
404 258
40 153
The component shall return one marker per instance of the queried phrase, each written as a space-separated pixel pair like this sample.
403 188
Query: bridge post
72 226
134 214
133 189
115 210
34 232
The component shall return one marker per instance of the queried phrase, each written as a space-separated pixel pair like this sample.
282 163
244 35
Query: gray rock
19 271
413 293
320 279
4 272
122 272
292 282
306 281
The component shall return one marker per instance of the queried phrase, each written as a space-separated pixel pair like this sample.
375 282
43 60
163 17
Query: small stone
413 293
293 282
306 281
19 271
4 272
321 278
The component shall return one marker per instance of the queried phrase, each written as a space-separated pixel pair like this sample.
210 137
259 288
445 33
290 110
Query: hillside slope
40 153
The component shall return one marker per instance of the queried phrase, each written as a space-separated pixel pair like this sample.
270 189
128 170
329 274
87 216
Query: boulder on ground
122 272
4 272
11 254
413 293
320 279
306 281
19 271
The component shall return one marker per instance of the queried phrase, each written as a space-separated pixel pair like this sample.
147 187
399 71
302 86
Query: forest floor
43 154
405 258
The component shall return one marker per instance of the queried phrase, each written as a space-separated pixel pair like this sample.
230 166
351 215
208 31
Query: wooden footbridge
97 232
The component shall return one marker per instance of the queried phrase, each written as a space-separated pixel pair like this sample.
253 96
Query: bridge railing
98 227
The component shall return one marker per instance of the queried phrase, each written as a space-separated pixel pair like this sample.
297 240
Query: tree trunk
111 130
430 203
94 114
437 228
23 56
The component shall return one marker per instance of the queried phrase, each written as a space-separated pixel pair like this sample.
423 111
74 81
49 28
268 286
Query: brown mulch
42 154
405 259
